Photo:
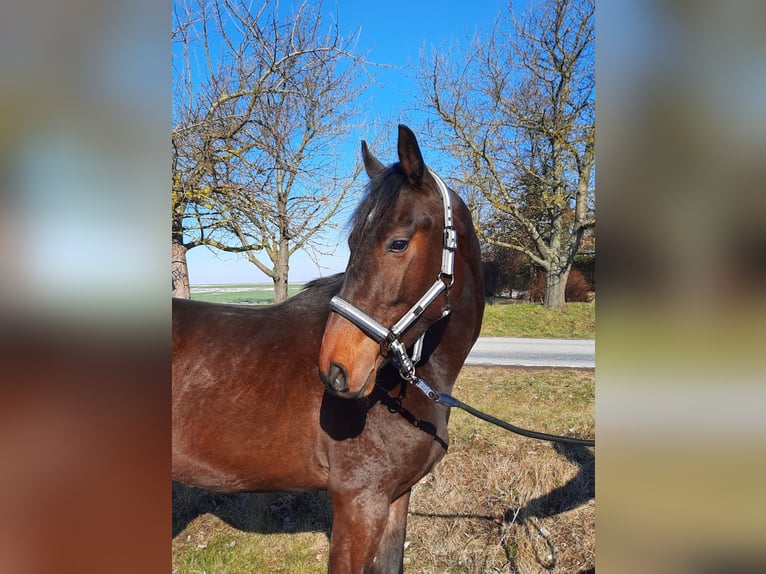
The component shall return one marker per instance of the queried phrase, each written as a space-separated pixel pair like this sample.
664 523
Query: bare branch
516 111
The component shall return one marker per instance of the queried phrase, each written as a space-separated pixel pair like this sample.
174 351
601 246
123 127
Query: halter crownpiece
381 334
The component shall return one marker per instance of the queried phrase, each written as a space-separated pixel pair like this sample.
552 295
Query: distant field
247 294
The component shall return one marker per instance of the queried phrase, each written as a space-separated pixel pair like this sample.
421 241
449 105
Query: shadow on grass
577 491
267 513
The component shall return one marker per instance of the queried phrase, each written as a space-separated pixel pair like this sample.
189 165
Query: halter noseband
444 280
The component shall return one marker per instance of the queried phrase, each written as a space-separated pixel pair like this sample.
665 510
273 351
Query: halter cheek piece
390 336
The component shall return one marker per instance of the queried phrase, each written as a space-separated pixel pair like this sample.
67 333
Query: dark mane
381 196
331 283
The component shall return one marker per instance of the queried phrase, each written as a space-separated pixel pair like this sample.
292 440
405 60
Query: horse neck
462 327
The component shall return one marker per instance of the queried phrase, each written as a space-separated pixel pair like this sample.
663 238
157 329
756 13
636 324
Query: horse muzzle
348 359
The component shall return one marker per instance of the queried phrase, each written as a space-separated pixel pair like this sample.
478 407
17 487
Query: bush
577 288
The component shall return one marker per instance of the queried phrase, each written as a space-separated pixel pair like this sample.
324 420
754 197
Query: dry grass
496 503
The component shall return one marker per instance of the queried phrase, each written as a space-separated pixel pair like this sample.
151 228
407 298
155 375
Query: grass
496 503
577 321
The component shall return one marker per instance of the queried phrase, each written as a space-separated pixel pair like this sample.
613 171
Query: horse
297 396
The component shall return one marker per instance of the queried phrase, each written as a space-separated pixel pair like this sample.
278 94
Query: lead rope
407 372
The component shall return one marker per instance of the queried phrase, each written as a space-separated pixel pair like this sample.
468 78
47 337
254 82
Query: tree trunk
280 289
281 272
179 271
555 289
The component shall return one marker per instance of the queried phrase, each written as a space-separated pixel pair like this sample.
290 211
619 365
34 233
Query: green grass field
532 320
529 320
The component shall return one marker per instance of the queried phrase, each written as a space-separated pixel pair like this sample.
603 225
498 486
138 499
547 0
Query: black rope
450 401
407 372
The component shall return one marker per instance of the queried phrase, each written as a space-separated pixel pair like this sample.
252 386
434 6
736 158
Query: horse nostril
337 380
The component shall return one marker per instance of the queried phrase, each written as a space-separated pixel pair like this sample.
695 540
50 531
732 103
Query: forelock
380 198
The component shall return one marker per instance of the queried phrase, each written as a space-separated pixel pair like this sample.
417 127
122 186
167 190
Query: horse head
404 269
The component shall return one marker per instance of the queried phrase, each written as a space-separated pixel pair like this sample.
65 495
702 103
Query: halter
444 280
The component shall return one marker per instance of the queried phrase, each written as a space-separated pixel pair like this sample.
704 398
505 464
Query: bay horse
296 397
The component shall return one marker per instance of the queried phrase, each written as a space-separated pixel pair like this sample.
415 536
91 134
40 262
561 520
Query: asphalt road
510 351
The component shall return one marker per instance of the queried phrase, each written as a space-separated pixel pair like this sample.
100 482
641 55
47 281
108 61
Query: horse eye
398 245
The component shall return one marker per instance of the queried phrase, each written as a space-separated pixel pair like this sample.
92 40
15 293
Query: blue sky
394 33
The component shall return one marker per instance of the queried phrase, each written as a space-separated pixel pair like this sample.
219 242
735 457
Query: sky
394 33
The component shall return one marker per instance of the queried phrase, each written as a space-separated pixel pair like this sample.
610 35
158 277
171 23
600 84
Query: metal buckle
450 238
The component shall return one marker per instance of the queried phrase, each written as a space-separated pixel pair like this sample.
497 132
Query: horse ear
372 166
410 157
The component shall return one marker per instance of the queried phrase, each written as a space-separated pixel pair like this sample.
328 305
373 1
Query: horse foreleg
390 555
358 525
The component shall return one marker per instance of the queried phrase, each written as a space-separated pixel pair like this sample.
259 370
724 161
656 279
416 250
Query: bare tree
260 99
516 110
